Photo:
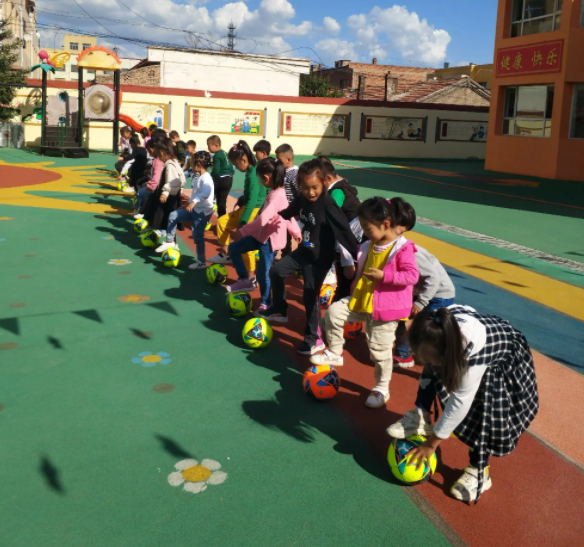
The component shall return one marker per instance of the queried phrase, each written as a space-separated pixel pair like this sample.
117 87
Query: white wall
229 72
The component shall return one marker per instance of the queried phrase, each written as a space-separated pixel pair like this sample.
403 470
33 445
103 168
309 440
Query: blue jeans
142 193
402 346
245 245
199 222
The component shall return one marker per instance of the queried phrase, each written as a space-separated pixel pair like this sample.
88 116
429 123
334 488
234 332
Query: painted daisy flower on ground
149 359
6 218
119 261
134 298
108 237
196 476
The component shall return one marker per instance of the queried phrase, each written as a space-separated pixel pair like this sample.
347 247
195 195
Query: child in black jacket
323 225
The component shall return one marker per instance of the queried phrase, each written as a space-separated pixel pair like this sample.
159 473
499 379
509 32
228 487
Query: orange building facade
536 123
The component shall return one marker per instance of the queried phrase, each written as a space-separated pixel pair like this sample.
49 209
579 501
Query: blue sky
414 32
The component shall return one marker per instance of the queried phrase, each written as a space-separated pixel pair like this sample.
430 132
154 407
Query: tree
315 85
9 53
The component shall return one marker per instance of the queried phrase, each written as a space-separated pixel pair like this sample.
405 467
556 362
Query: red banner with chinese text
532 59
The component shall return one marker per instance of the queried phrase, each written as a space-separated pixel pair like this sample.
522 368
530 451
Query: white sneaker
166 245
128 190
330 279
327 357
220 258
138 216
376 399
412 423
467 486
196 265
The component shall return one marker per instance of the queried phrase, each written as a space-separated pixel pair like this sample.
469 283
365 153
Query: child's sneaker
220 258
376 399
138 216
412 423
403 362
166 245
128 190
305 349
327 357
261 308
271 314
243 285
331 278
196 265
466 488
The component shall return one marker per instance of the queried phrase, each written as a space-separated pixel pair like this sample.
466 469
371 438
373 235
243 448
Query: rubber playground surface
114 369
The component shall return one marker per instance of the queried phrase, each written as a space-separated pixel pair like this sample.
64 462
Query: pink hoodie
393 296
157 167
269 225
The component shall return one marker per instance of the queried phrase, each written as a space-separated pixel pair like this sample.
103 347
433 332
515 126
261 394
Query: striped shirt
290 183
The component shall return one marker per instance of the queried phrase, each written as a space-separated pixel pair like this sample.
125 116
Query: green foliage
315 85
9 54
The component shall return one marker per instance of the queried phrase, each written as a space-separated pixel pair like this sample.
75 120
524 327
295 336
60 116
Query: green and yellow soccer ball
149 238
257 333
217 274
171 257
214 207
257 256
400 464
135 200
122 185
140 225
208 227
239 303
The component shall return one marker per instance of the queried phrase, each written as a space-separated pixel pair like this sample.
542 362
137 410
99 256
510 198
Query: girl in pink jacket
382 291
266 234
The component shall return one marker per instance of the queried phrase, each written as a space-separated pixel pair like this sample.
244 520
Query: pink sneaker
260 308
243 285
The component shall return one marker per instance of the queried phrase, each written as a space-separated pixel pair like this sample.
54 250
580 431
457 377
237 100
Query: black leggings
222 188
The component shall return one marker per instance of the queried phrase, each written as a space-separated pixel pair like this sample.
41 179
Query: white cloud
333 48
331 25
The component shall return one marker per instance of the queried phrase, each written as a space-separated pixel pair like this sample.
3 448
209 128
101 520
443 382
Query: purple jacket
393 296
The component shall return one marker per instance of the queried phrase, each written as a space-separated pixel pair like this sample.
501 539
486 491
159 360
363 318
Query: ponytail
239 150
437 334
274 168
377 210
203 157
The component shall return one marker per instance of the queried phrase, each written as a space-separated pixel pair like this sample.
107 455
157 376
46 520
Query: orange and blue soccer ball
400 464
352 330
327 293
321 381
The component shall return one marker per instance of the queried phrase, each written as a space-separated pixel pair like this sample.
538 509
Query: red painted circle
12 177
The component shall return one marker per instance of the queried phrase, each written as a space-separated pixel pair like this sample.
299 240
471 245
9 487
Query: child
198 210
262 234
324 224
254 195
125 147
482 372
433 290
345 196
153 180
262 149
166 197
179 147
145 135
191 147
285 154
137 161
222 174
382 292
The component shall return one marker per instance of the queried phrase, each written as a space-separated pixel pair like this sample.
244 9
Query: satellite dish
99 103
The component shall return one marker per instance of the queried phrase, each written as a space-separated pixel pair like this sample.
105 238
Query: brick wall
146 75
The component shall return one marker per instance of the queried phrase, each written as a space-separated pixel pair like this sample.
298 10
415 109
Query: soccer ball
321 381
257 333
122 185
257 256
171 257
208 227
214 207
216 274
134 200
327 293
140 225
400 465
239 303
352 330
149 238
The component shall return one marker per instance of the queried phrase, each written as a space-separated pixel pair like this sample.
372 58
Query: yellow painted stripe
549 292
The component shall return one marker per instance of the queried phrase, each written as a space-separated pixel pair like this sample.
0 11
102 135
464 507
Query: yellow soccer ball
171 257
149 238
239 303
217 274
257 333
400 464
140 225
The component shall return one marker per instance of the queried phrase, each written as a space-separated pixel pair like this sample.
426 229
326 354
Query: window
577 122
528 110
73 46
535 16
344 84
74 69
86 46
483 84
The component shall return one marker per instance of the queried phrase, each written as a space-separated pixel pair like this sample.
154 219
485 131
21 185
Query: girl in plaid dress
481 371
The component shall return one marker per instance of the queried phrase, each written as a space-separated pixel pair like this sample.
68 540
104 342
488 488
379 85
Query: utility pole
231 37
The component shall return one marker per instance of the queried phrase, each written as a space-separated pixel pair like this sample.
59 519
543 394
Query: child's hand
163 198
298 240
236 236
374 274
415 311
349 271
190 207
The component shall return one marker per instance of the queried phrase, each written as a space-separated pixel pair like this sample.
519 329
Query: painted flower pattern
197 476
134 298
119 261
149 359
6 218
108 237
